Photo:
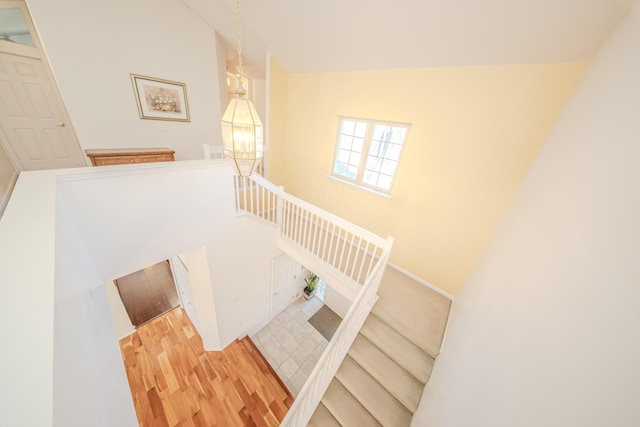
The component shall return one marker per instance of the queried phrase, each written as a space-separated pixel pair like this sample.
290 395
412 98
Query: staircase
380 381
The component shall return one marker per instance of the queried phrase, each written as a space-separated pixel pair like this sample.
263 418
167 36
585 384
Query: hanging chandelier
241 126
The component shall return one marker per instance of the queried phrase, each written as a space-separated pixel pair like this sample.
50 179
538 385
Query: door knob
60 124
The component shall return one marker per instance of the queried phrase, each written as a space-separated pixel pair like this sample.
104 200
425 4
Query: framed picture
160 99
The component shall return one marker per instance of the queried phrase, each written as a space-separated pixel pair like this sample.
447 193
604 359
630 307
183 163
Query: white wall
197 263
94 46
119 314
66 232
132 217
241 276
90 384
338 301
546 330
27 249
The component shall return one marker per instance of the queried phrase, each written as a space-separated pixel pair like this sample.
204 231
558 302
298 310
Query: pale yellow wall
474 133
278 92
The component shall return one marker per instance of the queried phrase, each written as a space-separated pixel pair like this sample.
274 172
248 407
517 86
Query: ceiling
307 36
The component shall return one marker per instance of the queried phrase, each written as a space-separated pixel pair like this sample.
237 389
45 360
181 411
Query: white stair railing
314 388
257 196
344 247
359 256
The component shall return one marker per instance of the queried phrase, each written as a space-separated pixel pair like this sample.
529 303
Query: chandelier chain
239 41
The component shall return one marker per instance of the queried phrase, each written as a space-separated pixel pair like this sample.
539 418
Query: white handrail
314 388
257 196
344 247
357 254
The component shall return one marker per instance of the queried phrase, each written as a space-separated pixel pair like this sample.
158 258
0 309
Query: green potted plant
311 281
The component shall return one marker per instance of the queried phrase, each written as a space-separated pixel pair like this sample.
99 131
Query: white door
34 126
183 284
32 118
285 272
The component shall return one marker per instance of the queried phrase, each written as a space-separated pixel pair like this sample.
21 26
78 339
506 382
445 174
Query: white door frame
38 53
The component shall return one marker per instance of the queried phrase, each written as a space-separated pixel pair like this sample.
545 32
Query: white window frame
358 181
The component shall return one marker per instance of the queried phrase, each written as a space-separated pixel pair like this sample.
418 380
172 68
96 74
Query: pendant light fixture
241 126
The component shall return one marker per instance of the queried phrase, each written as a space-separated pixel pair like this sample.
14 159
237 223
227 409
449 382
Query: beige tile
309 364
284 317
290 344
291 325
293 389
292 309
270 345
301 317
275 321
317 336
279 356
300 334
302 353
318 352
261 335
289 367
298 379
281 334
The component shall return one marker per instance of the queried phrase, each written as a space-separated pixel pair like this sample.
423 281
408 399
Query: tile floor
291 345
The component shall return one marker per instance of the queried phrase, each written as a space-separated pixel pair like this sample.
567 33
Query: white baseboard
421 281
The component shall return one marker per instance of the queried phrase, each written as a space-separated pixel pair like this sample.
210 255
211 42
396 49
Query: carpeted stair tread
323 418
345 408
375 399
393 377
403 305
404 352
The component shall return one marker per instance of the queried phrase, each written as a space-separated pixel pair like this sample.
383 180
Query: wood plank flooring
174 382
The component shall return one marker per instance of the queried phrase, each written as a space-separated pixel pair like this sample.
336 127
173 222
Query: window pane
340 169
348 127
357 144
378 131
345 142
388 167
398 135
343 156
361 129
354 159
370 178
382 148
394 152
384 181
374 149
373 163
13 27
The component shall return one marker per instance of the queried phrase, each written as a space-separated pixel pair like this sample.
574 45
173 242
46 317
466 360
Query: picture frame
160 99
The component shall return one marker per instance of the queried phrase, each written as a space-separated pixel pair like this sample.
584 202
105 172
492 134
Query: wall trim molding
422 282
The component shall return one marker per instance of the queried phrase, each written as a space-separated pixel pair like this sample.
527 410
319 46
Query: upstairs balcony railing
354 255
346 249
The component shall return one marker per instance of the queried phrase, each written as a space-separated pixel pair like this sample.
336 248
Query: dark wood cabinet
124 156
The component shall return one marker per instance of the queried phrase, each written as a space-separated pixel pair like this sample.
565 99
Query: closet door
285 272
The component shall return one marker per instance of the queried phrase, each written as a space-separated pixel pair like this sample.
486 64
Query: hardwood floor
174 382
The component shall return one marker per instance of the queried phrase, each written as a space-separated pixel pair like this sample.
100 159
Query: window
368 151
